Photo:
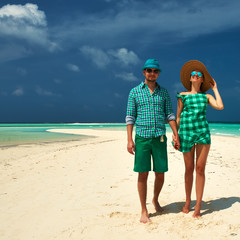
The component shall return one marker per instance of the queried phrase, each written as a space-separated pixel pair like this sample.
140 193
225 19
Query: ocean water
15 134
225 129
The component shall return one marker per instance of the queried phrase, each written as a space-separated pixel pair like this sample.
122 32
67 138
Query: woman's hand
213 84
215 103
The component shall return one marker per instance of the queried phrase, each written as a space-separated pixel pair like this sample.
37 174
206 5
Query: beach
87 189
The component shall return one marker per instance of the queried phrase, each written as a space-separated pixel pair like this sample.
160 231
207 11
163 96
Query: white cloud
102 59
28 13
127 77
97 56
18 92
167 23
25 22
73 67
124 56
43 92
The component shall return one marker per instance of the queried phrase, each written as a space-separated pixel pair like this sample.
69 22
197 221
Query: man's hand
176 142
131 147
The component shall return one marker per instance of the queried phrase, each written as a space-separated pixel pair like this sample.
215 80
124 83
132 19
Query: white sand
87 190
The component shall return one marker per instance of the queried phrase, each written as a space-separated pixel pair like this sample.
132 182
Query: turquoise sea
16 134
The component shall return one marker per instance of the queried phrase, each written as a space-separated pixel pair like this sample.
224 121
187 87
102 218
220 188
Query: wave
225 134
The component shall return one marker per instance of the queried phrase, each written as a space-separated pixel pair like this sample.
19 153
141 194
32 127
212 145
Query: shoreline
85 133
16 135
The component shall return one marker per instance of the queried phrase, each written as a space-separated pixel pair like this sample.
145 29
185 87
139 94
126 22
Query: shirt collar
143 85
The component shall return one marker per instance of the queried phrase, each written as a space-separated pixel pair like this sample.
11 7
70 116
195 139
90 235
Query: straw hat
190 66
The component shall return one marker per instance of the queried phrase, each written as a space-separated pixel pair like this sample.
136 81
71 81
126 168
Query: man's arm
130 142
130 121
173 126
170 118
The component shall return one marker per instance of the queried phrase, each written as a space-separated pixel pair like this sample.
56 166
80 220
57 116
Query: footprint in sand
120 215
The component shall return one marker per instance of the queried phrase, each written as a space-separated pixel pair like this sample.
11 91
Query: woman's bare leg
189 168
202 151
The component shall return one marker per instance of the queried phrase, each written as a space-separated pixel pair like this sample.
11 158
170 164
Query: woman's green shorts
147 147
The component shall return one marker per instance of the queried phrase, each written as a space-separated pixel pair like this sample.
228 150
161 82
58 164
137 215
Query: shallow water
15 134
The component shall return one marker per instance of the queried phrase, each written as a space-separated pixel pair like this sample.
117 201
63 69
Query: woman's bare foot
186 207
157 206
144 217
196 213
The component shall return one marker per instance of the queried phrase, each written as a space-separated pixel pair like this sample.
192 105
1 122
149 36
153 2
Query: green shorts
147 147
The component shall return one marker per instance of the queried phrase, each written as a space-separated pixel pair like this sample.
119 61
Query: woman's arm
175 137
179 111
215 103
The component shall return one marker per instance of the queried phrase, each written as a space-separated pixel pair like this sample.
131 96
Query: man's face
151 74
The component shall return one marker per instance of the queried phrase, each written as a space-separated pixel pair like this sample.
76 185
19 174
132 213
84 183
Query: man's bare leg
159 180
189 168
142 190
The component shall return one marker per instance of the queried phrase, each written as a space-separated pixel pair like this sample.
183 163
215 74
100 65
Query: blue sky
76 61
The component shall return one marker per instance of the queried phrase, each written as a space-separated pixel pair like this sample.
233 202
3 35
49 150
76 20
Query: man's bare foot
144 218
186 208
196 213
157 206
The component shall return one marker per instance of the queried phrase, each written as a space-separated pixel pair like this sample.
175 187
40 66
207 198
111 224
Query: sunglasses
198 73
149 70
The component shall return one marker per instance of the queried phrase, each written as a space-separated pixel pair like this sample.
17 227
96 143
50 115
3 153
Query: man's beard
150 80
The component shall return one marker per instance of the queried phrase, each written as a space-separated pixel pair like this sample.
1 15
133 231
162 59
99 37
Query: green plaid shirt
149 112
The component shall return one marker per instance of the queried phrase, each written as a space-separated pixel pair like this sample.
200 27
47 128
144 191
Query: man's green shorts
147 147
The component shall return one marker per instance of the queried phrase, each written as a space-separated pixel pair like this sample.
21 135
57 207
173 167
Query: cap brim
152 66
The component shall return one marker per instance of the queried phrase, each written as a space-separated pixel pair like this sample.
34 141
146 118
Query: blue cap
152 63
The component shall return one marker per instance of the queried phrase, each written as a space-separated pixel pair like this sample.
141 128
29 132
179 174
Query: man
149 106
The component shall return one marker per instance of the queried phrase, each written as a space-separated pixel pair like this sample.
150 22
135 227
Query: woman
193 127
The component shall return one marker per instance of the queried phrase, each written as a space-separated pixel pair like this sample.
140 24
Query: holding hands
176 142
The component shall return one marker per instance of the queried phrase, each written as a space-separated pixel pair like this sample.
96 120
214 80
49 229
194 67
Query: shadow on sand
218 204
207 207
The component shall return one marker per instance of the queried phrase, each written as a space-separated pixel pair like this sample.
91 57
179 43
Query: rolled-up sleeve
170 117
131 109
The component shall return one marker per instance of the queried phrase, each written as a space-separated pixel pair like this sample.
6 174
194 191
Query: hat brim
152 66
190 66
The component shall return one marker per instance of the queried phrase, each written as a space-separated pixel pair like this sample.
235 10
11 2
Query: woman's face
196 76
